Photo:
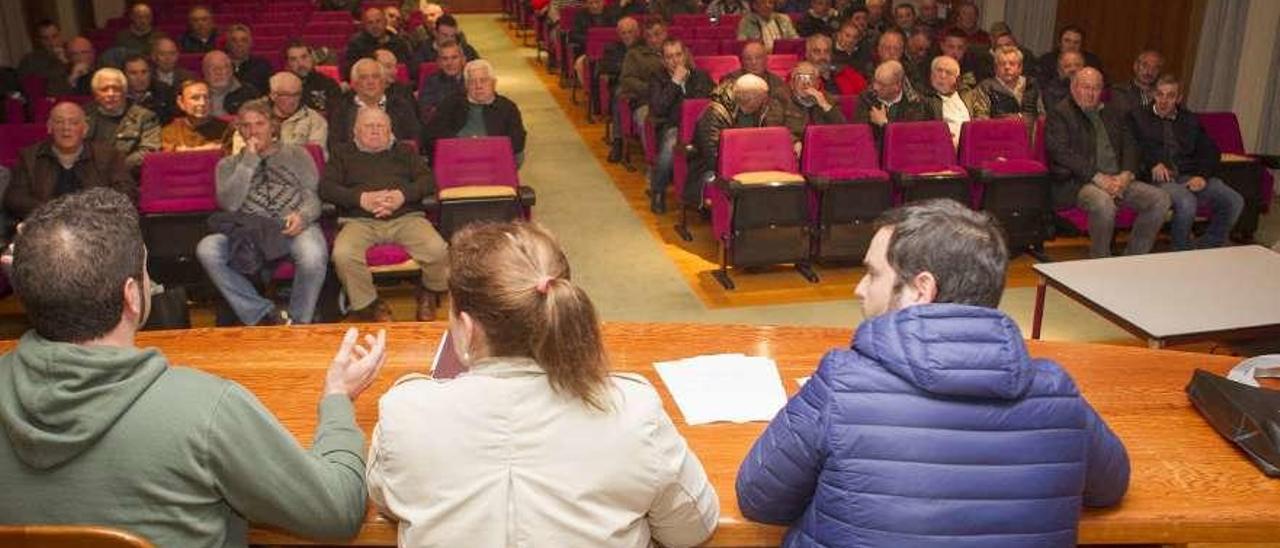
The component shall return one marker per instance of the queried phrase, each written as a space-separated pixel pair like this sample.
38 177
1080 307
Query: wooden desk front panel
1188 484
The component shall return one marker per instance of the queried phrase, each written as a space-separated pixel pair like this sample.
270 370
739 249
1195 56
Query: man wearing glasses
299 124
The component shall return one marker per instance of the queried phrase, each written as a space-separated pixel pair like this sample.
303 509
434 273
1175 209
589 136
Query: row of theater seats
271 22
769 208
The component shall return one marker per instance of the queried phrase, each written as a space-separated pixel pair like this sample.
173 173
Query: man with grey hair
249 68
64 163
1009 92
808 103
226 91
131 129
378 188
747 103
888 101
297 124
369 89
1094 158
947 102
481 111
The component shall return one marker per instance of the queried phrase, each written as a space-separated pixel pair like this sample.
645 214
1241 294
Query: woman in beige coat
537 444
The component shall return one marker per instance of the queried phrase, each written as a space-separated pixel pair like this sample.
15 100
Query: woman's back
498 458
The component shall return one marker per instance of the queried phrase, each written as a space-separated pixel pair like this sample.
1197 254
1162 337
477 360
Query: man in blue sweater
936 428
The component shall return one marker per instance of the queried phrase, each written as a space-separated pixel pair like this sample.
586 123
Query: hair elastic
543 284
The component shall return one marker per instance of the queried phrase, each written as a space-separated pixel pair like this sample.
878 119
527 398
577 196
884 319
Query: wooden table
1188 484
1170 298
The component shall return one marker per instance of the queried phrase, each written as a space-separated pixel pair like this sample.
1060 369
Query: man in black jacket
666 95
1140 91
369 89
596 15
374 36
888 101
249 68
1182 159
1094 159
480 112
318 90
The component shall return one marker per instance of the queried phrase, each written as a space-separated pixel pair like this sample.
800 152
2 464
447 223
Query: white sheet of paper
724 387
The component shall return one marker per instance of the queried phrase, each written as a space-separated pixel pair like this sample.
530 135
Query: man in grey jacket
97 430
278 181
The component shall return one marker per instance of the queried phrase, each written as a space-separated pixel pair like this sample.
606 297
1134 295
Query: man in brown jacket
65 163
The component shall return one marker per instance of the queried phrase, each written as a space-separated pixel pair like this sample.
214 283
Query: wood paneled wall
1118 30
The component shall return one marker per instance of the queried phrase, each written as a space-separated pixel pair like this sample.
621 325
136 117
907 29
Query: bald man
378 188
226 91
373 36
888 101
1094 158
63 163
137 38
748 103
164 63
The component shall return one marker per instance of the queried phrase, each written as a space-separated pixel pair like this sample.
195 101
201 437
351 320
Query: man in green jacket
98 431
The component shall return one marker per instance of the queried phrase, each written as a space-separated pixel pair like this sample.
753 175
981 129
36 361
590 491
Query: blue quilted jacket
935 429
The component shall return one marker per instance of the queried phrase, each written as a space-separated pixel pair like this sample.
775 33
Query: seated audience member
610 70
1095 159
765 25
936 425
946 102
967 20
1009 93
390 66
929 14
537 376
1183 159
92 417
643 66
444 82
226 91
891 46
201 35
808 103
317 89
369 89
819 19
668 9
398 26
64 163
754 59
271 191
905 18
147 92
888 101
446 31
113 121
480 112
373 36
748 102
294 122
83 62
595 15
431 12
195 128
918 56
847 50
834 79
720 8
1070 38
139 35
666 95
164 58
1001 36
1058 88
378 188
955 45
49 59
250 69
1139 92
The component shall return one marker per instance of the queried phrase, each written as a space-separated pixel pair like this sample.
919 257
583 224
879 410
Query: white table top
1183 293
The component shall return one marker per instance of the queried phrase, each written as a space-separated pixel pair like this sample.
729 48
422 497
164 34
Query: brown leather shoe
377 311
428 301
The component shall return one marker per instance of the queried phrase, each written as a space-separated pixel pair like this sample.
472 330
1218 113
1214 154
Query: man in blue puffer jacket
936 428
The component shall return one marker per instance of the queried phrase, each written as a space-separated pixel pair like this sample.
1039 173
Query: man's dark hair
1069 28
860 9
71 261
45 23
963 249
447 20
134 58
905 6
954 32
653 21
295 44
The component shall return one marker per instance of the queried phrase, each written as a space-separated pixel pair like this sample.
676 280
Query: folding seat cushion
848 190
922 161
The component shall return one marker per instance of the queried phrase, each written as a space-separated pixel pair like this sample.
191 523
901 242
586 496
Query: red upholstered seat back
179 182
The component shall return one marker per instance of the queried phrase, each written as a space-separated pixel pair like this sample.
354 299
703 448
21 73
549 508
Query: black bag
169 310
1244 414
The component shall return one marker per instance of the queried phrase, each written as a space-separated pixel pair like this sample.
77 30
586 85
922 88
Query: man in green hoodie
98 431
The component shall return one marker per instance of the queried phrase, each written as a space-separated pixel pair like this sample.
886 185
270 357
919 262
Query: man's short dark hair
654 21
447 20
134 58
963 249
1069 28
860 9
954 32
905 6
45 23
71 261
295 44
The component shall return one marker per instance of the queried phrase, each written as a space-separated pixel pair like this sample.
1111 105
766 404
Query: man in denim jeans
1182 160
278 181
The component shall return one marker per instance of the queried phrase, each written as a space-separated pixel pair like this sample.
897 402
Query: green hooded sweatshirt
114 436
